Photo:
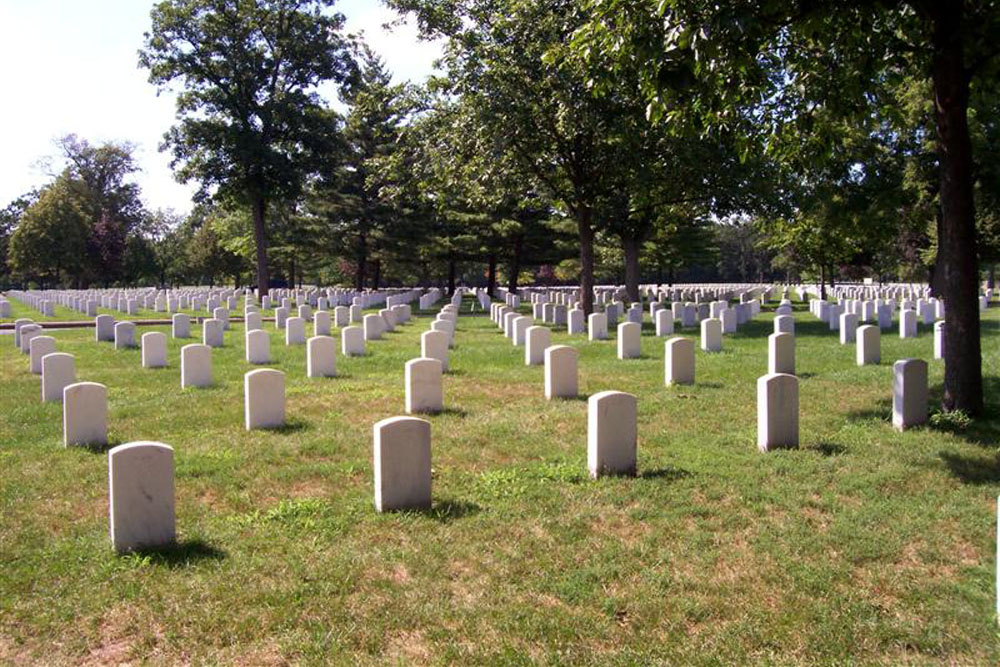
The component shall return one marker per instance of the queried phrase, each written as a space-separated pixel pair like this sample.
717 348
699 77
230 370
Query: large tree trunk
630 246
491 275
584 222
260 240
451 276
822 282
377 276
957 255
362 261
515 264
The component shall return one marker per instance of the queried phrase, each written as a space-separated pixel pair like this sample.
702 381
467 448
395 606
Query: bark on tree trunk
362 261
630 246
515 264
957 255
451 277
491 275
260 240
584 222
822 282
377 276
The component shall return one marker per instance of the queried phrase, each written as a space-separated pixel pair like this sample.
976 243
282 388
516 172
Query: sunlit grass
864 545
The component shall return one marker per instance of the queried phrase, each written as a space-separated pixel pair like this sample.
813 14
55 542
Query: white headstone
141 495
104 328
58 371
212 333
258 347
321 355
424 392
264 398
711 335
38 347
124 335
777 411
402 452
597 326
781 353
538 338
434 345
321 323
561 375
679 361
869 345
180 325
629 337
352 341
154 349
196 366
909 393
85 414
611 433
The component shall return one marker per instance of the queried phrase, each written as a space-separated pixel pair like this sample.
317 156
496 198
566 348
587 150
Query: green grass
64 314
863 546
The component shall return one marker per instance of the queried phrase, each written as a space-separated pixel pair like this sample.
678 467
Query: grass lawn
64 314
863 546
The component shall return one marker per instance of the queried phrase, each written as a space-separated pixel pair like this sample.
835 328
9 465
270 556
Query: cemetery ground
863 545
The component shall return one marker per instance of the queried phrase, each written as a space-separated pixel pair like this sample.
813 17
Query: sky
70 66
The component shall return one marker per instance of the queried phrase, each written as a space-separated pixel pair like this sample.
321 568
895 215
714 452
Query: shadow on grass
98 447
710 385
290 426
181 554
668 473
453 412
973 469
447 510
827 448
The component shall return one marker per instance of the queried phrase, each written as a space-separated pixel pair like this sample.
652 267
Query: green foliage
251 125
50 241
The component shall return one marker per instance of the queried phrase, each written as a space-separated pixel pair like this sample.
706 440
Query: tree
251 123
99 177
767 68
50 241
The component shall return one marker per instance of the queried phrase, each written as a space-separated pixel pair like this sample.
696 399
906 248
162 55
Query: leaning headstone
629 337
321 355
909 393
611 434
781 353
352 341
679 361
711 335
85 414
777 411
264 398
154 349
402 453
196 366
124 335
141 494
38 347
424 392
434 345
58 371
538 338
561 375
869 345
180 325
